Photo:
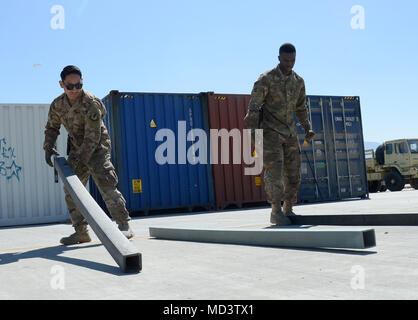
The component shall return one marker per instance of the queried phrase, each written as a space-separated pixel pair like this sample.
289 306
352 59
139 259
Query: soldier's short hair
70 70
287 48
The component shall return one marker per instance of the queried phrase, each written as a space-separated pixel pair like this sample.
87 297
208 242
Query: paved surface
34 266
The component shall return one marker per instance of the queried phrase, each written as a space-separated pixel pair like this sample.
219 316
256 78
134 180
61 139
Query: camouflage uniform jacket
280 97
83 120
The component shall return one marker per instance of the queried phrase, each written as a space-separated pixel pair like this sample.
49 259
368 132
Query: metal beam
393 219
120 248
336 238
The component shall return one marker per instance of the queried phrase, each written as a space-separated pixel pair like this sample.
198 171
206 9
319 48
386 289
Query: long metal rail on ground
120 248
280 237
386 219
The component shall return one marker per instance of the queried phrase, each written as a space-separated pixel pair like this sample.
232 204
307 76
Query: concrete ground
34 266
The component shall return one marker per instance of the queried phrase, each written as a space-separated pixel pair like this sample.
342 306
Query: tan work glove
48 154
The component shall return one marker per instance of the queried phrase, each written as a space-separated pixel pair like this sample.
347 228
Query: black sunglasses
70 86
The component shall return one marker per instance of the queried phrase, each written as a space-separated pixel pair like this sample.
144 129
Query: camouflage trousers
282 160
103 173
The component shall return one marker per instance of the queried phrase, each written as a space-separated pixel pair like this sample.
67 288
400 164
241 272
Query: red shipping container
232 186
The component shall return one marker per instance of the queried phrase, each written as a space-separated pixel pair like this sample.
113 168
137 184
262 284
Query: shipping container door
346 139
232 186
315 169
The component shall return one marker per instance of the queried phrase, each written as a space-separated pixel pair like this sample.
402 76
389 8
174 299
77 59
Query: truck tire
394 181
414 183
374 186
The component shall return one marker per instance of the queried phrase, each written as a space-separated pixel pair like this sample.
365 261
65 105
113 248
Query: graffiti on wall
8 166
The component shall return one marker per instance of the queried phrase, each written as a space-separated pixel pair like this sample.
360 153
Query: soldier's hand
309 135
48 154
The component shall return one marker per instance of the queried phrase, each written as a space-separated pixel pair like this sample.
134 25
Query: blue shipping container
133 119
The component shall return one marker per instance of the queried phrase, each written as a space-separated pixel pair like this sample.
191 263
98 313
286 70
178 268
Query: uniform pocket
106 179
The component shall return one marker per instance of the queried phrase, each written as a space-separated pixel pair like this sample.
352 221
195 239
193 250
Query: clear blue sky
221 46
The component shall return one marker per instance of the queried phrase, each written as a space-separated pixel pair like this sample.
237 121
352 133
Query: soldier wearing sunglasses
82 113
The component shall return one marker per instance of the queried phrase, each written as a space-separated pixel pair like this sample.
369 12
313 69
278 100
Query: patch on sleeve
94 115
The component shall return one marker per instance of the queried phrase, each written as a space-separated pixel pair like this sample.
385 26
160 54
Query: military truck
392 165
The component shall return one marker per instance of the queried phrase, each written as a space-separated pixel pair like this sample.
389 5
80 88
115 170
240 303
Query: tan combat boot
287 208
81 235
125 229
277 217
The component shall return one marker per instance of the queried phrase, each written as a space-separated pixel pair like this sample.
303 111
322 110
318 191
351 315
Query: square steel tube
386 219
326 238
120 248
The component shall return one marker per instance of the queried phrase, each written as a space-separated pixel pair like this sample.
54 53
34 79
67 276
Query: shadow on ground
54 253
319 250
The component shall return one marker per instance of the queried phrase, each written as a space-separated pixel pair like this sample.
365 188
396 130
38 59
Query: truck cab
397 154
394 164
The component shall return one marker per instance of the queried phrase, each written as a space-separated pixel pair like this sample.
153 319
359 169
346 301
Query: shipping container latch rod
313 175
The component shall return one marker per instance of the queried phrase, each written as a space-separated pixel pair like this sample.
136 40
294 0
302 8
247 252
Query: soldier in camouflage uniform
280 93
82 113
